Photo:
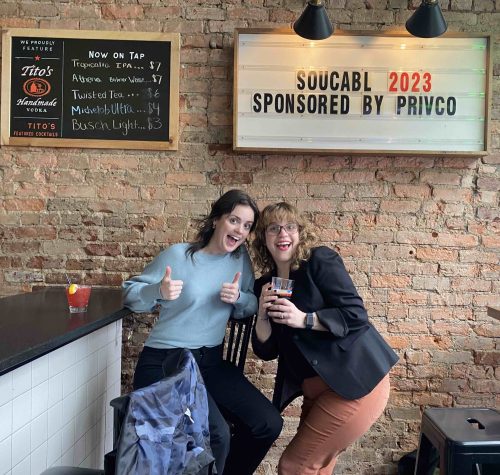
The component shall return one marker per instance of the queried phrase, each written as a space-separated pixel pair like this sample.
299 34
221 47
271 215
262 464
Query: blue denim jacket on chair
165 430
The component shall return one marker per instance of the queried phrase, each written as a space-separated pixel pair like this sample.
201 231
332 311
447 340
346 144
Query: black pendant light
314 23
427 21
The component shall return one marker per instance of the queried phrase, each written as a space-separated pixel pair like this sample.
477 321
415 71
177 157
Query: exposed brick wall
418 234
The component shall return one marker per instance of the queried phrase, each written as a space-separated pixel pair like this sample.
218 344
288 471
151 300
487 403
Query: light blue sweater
198 317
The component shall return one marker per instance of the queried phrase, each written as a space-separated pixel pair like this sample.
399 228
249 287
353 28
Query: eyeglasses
290 228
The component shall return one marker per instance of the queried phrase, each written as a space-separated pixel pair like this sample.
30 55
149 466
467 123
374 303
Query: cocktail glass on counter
78 297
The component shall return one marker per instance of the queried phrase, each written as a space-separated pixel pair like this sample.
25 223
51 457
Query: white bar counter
58 373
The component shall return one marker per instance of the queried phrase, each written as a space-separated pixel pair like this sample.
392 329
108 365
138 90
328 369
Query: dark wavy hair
224 205
281 212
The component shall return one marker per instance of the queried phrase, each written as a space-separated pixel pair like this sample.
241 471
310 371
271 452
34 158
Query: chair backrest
238 339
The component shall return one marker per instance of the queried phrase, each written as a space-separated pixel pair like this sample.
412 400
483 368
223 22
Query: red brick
436 254
15 22
328 163
357 176
241 13
491 358
432 399
492 387
115 12
226 26
417 268
488 183
453 328
450 298
205 13
409 297
220 118
162 12
414 162
118 191
314 205
79 11
414 237
491 241
418 357
36 190
412 191
478 256
59 23
470 284
36 10
193 119
76 191
24 204
358 206
21 247
313 177
139 250
194 55
460 162
390 281
488 330
408 328
442 194
489 214
36 232
440 178
493 158
398 206
102 249
281 162
180 178
398 342
231 177
431 342
282 16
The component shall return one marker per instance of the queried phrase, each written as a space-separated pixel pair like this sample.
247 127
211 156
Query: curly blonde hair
281 212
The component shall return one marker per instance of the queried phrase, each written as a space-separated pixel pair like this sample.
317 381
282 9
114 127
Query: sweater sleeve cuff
151 293
242 307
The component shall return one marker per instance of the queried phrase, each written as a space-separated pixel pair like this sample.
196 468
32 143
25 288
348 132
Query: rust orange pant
329 424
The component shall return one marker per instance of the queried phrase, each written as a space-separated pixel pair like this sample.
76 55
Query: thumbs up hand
230 293
170 289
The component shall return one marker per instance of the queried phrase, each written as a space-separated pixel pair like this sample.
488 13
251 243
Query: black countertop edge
30 354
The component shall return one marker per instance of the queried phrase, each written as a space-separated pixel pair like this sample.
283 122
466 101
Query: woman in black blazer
327 349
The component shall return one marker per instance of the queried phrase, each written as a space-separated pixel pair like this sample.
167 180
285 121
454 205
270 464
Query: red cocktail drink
78 297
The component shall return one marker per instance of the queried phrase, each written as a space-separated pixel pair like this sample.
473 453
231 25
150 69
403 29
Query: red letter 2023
410 81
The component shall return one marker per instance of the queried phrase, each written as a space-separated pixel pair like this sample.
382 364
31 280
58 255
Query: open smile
283 245
233 239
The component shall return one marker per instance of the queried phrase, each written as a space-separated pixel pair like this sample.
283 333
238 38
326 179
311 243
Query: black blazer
352 358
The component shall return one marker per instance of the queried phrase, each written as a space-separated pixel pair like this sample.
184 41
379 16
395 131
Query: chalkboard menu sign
90 89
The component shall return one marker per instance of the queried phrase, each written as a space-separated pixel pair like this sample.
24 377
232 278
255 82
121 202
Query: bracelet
263 319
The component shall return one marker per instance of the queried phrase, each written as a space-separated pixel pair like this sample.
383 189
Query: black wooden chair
235 351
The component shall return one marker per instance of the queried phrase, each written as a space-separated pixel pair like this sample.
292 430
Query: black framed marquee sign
382 93
90 89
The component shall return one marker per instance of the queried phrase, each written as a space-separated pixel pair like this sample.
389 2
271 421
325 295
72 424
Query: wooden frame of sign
361 93
90 89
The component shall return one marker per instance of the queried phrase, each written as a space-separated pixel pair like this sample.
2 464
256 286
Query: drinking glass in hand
283 288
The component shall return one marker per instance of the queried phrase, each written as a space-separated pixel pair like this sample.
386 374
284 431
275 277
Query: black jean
256 423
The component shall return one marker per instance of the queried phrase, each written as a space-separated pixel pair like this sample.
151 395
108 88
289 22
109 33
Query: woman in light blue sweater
197 287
